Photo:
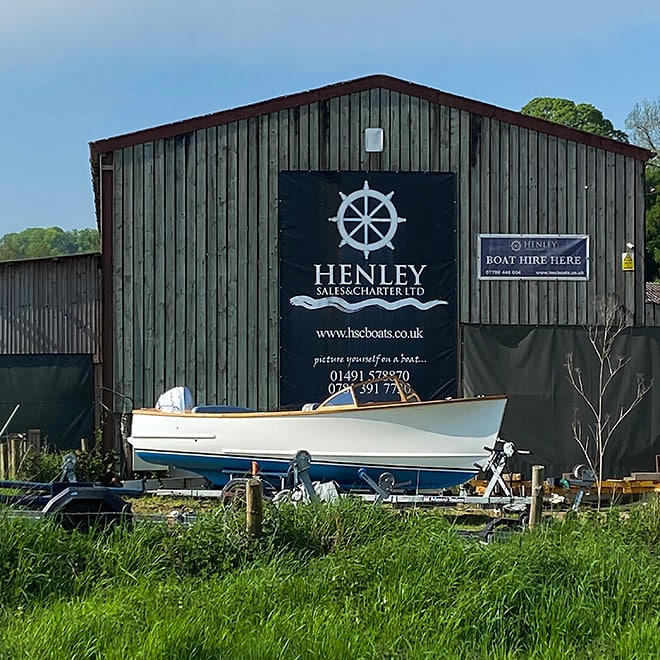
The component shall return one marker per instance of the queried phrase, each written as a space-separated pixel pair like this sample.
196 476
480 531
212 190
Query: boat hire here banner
367 282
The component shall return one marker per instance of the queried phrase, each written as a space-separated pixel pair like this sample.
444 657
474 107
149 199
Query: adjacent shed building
202 223
50 349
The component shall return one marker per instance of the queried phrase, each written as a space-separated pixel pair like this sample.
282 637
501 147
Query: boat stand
384 489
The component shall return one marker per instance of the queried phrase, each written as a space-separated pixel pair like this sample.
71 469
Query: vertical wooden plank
160 280
616 220
169 362
372 119
635 214
468 283
214 311
445 139
543 221
264 243
335 134
568 208
553 287
303 137
294 138
404 132
179 276
223 301
314 119
344 108
200 284
355 146
189 220
117 338
413 130
250 172
502 184
243 376
523 214
233 220
436 136
605 228
273 400
127 319
285 165
593 221
482 170
533 219
395 133
512 220
425 136
324 135
150 339
384 101
363 120
478 305
581 226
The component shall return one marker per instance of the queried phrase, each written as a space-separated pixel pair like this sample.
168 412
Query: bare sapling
604 418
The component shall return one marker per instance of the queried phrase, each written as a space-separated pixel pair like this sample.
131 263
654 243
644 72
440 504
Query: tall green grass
343 581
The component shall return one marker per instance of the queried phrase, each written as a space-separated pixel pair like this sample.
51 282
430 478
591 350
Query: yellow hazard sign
627 261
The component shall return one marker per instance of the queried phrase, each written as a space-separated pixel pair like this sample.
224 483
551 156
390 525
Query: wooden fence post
254 508
4 460
15 442
34 440
536 509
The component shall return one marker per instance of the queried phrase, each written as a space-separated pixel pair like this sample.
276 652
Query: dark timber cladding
190 211
50 306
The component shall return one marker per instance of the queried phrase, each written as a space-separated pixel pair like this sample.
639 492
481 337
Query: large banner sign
533 257
367 282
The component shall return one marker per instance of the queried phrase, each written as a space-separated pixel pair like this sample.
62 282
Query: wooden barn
266 254
50 348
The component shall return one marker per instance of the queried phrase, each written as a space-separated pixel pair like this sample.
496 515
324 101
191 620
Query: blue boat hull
218 469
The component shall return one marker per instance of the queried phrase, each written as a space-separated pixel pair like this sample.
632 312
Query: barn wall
195 270
51 306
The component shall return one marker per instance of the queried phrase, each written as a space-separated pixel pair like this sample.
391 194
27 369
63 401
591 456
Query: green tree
652 223
583 116
643 122
48 242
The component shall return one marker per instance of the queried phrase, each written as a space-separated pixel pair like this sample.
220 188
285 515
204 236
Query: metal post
254 508
536 510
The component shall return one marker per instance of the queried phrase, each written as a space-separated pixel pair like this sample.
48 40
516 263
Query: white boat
374 427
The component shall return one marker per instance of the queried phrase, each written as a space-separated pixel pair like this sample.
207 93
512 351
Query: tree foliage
652 223
643 122
583 116
48 242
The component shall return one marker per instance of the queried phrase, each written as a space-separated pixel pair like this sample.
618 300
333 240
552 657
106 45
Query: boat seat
221 409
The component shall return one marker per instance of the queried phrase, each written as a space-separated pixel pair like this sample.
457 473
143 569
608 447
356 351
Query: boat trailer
72 504
497 495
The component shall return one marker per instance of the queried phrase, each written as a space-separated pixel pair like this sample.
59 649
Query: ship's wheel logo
367 220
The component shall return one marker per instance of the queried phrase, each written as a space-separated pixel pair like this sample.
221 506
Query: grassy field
336 581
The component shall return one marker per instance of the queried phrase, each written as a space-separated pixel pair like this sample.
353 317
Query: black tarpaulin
528 364
55 393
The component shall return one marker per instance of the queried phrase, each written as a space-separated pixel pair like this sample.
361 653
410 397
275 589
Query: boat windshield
387 390
373 392
342 398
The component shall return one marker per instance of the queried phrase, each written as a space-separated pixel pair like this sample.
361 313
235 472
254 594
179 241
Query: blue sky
74 71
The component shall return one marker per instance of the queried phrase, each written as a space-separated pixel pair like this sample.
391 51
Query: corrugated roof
108 145
653 292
